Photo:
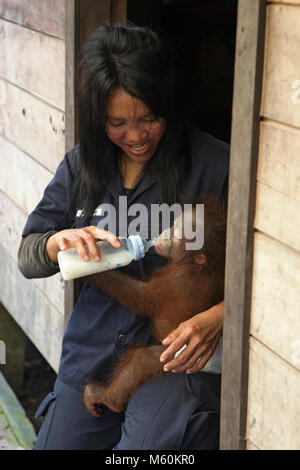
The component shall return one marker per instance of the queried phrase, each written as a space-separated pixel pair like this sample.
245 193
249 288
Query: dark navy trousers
176 411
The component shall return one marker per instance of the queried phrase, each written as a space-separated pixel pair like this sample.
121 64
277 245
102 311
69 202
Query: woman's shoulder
200 140
206 151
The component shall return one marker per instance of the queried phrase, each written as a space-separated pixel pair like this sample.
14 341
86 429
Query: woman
133 142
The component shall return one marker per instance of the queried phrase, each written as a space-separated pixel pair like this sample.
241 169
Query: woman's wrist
218 310
52 248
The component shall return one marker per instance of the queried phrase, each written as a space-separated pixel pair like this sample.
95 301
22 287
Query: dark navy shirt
100 328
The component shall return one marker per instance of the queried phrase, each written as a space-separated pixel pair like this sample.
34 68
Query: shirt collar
113 181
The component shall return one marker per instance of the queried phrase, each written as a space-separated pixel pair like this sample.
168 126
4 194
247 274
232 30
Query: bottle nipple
138 247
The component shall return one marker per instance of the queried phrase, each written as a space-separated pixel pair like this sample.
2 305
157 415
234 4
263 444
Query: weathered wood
275 314
278 215
14 340
34 126
38 317
33 61
242 181
46 16
12 222
91 15
281 101
26 193
278 189
118 11
278 162
251 446
71 54
296 2
273 400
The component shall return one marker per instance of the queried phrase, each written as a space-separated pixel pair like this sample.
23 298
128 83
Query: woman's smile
138 149
131 126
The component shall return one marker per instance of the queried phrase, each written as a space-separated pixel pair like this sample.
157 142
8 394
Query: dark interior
203 33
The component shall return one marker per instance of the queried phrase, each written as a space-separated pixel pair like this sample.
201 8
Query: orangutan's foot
95 396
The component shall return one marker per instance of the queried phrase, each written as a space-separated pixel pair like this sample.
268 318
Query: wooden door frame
248 75
82 17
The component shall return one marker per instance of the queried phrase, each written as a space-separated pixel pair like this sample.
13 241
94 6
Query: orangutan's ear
200 258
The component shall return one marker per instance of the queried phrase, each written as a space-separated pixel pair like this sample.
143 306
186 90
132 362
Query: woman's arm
33 259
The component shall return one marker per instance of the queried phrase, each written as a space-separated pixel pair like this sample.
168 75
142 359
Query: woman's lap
174 412
68 426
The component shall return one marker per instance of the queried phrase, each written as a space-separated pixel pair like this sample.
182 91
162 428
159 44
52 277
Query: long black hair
142 63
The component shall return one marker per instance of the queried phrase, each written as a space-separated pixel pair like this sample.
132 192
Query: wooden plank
38 318
278 162
72 25
34 62
242 182
12 222
278 215
273 401
34 126
251 446
278 189
118 11
294 2
46 16
92 14
281 85
275 314
25 192
71 55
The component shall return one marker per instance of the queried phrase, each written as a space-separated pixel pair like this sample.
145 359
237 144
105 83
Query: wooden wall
273 417
32 143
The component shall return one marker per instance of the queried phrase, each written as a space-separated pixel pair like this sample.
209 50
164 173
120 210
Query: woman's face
132 127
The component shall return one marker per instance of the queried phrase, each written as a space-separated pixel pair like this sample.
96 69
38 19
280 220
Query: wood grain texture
278 215
280 101
46 16
26 191
293 2
241 205
273 401
34 126
251 446
12 222
278 188
34 62
92 14
275 313
278 161
38 317
118 11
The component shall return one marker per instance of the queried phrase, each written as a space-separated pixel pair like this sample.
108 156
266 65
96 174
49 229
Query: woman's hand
200 334
83 239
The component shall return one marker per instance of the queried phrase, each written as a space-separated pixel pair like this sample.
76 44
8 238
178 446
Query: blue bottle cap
136 247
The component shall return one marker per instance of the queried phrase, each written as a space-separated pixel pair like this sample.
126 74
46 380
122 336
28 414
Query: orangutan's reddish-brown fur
172 294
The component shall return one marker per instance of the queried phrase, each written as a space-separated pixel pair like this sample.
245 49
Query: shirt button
121 338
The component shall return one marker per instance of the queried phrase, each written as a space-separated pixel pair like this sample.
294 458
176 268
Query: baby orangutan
192 282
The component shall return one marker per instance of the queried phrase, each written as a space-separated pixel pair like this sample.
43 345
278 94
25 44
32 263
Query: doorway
204 35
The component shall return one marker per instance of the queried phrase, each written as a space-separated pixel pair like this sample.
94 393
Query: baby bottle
214 365
133 248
